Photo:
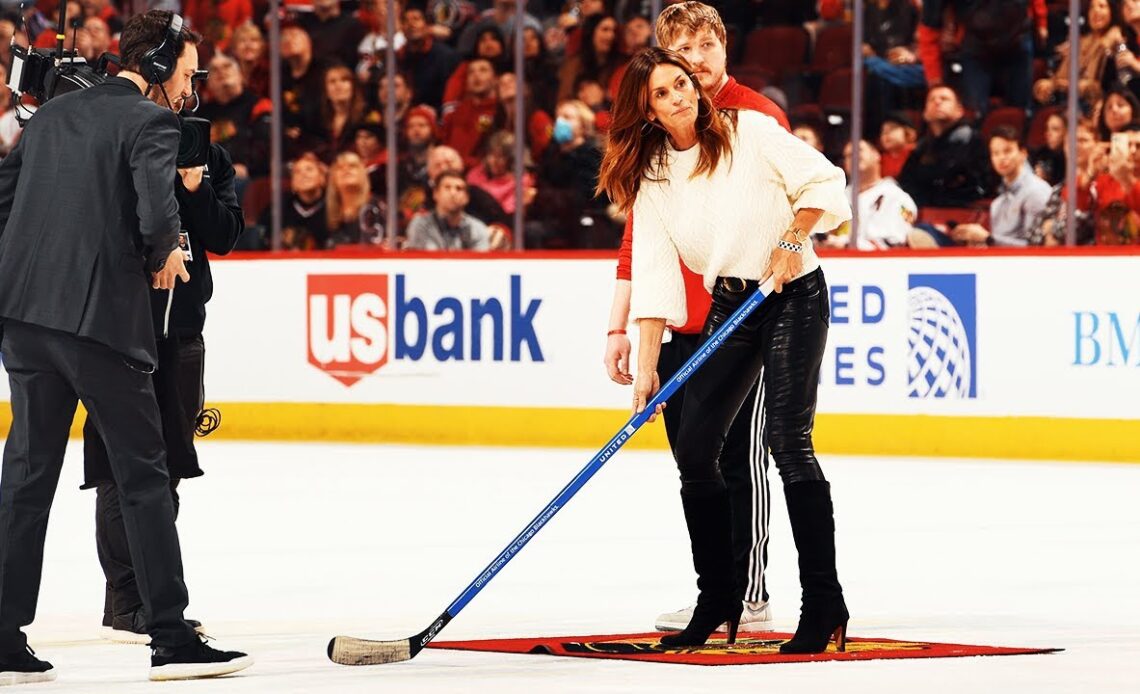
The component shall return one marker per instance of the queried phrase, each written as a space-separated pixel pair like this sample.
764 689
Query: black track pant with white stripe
743 464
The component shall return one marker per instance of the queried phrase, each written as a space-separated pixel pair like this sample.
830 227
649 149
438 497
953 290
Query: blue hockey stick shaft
612 447
348 650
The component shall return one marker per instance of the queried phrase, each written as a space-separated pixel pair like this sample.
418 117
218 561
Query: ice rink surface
286 545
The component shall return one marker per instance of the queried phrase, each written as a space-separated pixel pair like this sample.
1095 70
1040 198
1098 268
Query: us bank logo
357 324
942 336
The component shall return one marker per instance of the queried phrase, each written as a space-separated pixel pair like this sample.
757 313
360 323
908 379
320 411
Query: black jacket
951 170
87 212
213 220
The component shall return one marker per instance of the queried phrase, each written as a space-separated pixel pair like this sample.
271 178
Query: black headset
157 65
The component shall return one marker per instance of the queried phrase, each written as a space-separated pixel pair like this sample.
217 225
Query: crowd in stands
964 138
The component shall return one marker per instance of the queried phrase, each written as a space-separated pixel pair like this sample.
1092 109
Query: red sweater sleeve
930 53
625 252
453 90
1039 14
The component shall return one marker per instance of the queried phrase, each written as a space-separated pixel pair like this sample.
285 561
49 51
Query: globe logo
938 362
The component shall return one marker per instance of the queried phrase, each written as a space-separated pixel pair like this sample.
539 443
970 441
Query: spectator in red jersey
696 31
1116 193
897 137
491 45
248 45
473 118
539 125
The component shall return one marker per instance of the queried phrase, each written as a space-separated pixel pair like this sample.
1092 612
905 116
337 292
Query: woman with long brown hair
735 197
341 109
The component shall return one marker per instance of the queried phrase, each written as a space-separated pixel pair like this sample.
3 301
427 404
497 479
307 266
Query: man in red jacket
696 31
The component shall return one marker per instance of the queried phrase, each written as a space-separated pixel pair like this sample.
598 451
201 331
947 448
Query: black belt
738 285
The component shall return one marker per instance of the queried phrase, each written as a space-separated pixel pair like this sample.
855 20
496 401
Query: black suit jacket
87 212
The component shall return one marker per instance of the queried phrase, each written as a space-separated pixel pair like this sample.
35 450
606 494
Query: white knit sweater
726 224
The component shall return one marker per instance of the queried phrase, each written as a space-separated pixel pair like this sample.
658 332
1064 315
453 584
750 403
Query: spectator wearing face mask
567 176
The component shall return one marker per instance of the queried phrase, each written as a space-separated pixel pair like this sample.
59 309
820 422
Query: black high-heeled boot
710 532
824 614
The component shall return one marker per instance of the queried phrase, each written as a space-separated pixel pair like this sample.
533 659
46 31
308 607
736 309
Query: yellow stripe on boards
1040 438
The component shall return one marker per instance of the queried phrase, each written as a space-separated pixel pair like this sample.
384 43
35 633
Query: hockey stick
348 650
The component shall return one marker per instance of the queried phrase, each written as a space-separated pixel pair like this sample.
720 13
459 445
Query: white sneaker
757 616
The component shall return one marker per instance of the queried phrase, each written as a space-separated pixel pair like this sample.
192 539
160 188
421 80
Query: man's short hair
446 174
688 17
146 31
1007 133
949 88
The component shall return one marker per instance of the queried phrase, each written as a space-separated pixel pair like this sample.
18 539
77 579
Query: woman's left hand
783 267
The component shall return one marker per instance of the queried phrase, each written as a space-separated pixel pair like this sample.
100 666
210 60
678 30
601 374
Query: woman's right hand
617 359
644 388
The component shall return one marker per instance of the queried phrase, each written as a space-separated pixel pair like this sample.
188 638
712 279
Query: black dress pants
179 389
783 340
49 373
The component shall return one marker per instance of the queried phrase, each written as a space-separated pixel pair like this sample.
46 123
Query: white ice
286 545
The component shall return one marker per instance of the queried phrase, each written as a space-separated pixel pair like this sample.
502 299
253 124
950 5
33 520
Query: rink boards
1025 356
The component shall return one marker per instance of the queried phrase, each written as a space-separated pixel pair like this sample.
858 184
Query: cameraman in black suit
89 220
212 221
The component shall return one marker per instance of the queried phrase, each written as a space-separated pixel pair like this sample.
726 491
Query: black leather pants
785 336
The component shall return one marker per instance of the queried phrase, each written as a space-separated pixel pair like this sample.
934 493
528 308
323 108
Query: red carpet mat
750 649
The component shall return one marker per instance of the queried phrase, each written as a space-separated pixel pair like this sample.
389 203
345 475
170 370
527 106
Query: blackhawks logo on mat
744 646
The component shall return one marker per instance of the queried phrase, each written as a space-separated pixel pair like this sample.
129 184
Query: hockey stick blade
348 650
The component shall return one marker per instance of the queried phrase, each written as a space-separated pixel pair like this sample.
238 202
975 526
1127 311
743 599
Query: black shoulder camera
38 73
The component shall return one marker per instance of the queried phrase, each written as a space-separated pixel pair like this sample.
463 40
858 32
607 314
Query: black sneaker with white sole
23 667
131 628
195 660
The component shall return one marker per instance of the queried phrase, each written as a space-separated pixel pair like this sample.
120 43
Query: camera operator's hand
192 177
170 273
